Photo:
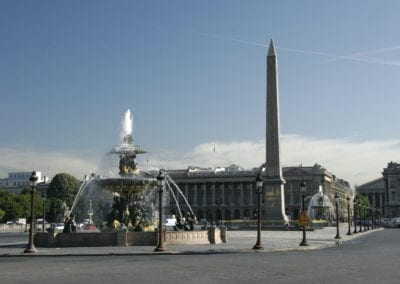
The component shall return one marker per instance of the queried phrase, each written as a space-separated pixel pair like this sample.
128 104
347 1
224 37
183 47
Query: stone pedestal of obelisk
274 197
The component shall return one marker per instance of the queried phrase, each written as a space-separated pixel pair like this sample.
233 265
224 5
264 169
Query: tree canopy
63 187
18 206
62 191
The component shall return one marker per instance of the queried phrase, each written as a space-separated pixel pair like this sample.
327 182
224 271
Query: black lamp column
337 216
355 216
160 181
259 187
348 216
359 215
372 218
44 209
365 217
303 192
31 246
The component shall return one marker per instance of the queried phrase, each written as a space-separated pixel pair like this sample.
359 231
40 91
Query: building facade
18 181
232 195
384 193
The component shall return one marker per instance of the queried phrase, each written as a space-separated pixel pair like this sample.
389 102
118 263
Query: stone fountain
320 207
131 209
131 218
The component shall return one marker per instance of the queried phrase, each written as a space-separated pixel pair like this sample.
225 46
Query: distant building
384 193
231 194
18 181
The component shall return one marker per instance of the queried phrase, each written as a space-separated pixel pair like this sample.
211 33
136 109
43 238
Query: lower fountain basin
127 238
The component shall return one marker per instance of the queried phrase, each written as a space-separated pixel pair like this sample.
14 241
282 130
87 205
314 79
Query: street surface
372 258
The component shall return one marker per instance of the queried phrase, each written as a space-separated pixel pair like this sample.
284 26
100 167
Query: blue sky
193 74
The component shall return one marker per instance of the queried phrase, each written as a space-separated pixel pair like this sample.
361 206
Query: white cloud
355 161
49 163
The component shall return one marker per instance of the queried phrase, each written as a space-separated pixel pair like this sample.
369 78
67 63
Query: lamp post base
303 244
258 247
160 249
338 237
30 250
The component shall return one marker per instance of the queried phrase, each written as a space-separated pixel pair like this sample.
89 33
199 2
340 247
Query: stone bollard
223 235
122 238
214 236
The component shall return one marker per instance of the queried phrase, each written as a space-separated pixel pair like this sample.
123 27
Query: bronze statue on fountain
185 223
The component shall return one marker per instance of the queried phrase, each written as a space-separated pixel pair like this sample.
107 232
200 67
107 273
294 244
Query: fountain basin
127 238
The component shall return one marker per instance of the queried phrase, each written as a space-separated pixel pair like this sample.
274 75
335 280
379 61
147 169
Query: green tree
62 189
2 213
24 201
363 201
10 205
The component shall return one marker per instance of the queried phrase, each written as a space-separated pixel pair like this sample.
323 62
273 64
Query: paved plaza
238 242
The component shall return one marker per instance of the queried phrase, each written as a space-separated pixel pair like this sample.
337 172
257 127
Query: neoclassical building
16 182
384 192
231 194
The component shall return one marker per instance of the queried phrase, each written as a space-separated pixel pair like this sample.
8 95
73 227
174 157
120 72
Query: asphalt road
370 259
13 239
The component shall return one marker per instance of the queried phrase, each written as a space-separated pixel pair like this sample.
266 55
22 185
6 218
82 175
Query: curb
325 245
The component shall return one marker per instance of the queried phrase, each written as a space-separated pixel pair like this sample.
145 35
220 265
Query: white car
56 227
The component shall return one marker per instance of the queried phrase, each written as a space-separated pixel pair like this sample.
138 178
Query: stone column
204 203
187 191
223 193
195 195
230 193
241 194
273 181
250 190
213 194
373 200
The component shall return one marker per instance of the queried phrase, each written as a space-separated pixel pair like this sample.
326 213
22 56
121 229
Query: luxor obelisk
274 197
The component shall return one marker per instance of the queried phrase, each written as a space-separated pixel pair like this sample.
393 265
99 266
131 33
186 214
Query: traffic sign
304 220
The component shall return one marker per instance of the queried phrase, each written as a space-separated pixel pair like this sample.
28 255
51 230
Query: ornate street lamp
259 187
359 216
337 216
355 204
303 211
378 218
372 218
365 218
160 182
348 216
44 208
31 246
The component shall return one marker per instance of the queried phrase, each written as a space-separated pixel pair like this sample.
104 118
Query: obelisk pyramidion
274 204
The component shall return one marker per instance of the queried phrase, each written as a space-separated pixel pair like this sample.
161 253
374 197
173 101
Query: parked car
383 221
394 222
89 227
55 227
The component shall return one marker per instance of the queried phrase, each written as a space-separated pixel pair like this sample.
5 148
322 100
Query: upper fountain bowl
128 147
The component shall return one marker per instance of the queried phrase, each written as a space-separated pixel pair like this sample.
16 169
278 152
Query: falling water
170 180
171 183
